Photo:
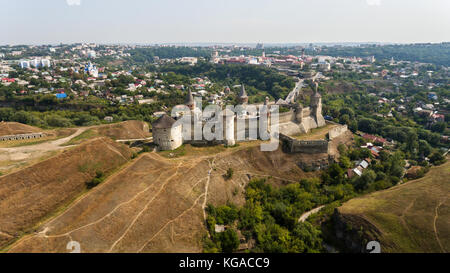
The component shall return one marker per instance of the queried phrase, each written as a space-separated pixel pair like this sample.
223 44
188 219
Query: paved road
294 93
138 139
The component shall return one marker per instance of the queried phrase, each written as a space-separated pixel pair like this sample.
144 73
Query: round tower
316 98
166 134
316 107
228 121
299 113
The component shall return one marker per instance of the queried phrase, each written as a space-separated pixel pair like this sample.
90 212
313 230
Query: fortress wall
315 165
310 147
337 131
286 117
306 112
309 123
292 145
22 136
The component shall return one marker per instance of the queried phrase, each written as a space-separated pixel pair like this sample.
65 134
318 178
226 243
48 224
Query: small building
109 119
364 164
358 171
219 228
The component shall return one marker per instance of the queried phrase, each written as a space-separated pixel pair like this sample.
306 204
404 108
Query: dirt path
135 139
211 165
38 150
434 225
171 221
145 207
305 215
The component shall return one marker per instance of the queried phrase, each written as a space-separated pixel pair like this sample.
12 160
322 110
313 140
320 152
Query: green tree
229 241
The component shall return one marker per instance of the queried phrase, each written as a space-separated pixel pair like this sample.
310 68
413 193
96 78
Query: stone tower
299 113
165 134
316 107
243 98
228 121
190 100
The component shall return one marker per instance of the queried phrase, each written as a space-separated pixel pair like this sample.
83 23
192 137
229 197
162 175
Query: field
131 129
412 217
15 155
32 194
156 204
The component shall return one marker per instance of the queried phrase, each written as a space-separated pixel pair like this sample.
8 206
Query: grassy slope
32 194
413 217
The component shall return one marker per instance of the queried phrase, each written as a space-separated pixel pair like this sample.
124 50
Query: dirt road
30 152
309 213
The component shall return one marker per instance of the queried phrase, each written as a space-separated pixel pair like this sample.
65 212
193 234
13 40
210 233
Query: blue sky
236 21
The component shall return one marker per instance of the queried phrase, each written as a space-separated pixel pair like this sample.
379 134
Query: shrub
229 174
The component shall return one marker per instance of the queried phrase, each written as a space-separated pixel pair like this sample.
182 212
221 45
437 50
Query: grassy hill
412 217
33 194
15 128
155 204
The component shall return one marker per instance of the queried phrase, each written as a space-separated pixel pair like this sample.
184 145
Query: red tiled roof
374 138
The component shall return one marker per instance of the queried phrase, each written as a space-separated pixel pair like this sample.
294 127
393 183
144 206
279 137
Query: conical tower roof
189 98
164 122
243 93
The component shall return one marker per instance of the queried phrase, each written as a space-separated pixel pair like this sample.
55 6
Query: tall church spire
243 98
190 100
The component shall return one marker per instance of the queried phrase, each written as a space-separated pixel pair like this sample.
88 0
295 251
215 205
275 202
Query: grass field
317 133
88 134
195 151
412 217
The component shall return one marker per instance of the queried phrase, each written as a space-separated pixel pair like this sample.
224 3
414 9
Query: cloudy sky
236 21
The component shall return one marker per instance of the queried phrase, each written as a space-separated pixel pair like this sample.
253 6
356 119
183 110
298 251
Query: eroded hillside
157 204
30 195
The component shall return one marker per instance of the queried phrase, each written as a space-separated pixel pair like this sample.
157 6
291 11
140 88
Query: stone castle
168 134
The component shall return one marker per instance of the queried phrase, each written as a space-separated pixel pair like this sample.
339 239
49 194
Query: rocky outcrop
353 232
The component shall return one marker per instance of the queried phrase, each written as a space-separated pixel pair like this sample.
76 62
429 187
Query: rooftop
164 122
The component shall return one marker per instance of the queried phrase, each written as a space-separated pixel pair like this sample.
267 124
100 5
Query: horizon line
224 43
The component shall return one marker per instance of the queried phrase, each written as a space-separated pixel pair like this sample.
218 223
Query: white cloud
73 2
373 2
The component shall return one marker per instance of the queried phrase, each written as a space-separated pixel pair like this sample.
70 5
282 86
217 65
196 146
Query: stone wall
316 165
286 116
337 131
22 136
306 112
292 145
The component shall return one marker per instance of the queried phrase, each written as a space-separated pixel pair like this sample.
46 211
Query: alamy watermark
232 124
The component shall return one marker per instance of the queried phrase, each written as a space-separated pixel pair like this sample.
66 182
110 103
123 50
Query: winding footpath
306 215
